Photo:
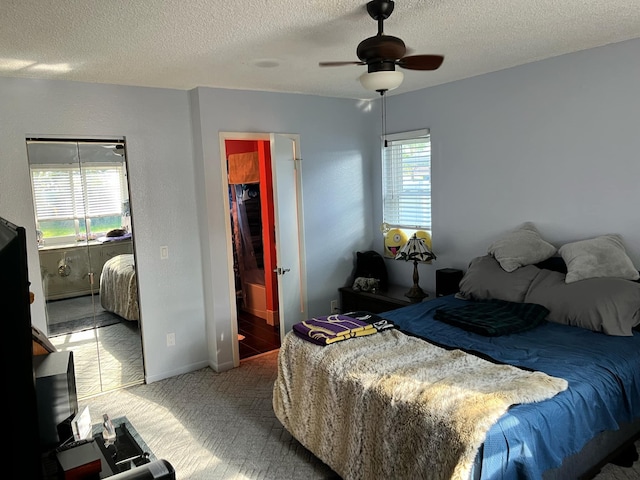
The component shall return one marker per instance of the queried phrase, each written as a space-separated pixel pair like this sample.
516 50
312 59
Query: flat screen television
22 451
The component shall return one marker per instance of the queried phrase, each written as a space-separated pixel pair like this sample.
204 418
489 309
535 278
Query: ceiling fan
382 53
117 149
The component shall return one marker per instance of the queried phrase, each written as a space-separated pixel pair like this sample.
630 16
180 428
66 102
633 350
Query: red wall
268 218
240 146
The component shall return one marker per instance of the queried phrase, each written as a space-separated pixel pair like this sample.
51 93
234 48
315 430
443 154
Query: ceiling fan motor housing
382 53
381 66
381 47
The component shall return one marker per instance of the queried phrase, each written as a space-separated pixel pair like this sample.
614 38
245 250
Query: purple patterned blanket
332 328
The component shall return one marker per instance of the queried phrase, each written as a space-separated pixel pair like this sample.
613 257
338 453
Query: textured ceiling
276 45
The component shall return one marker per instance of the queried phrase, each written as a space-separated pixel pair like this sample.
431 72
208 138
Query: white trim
423 132
223 136
301 238
403 199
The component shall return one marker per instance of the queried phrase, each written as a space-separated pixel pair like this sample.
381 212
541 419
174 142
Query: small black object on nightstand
448 281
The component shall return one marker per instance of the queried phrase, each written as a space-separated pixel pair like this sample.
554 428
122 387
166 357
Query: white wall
157 127
553 142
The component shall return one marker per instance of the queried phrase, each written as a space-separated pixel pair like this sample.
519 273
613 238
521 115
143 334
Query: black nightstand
392 298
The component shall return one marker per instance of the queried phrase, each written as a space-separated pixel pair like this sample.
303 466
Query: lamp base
416 294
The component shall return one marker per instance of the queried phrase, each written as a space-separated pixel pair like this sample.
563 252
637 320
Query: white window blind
72 192
406 180
103 191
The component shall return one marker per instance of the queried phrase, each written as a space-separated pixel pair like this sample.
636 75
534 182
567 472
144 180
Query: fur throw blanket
394 406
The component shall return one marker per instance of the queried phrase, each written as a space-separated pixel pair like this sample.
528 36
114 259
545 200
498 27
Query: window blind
73 192
406 180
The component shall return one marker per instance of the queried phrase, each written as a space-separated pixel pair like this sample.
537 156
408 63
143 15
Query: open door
289 270
283 262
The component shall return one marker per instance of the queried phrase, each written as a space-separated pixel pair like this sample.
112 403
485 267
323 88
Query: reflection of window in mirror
74 201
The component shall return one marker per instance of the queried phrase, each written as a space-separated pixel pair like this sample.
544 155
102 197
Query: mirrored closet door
87 261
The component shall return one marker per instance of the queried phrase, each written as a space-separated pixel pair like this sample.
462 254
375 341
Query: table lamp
415 250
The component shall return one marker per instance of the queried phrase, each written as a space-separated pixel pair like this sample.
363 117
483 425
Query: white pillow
602 256
520 247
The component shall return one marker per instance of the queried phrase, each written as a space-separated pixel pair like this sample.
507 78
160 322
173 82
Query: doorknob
281 271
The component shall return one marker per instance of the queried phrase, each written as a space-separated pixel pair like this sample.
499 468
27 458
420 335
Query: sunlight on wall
14 64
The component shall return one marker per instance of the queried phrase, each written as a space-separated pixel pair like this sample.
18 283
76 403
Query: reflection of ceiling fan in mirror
117 149
382 53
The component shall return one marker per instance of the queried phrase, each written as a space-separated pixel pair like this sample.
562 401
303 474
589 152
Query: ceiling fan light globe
381 81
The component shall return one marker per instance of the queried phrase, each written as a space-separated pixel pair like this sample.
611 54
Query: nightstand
392 298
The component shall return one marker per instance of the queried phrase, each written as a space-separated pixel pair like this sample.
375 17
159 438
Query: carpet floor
212 426
105 358
103 319
73 308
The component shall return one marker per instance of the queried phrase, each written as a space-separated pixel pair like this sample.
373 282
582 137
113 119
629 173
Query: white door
290 270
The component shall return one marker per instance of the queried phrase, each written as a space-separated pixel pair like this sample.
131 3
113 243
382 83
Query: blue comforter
604 387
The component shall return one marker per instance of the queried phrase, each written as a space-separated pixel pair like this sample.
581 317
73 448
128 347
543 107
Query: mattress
528 441
604 387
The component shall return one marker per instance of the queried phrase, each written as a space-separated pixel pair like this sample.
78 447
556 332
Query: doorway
252 233
86 251
264 194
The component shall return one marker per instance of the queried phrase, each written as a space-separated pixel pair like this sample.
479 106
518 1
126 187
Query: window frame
394 185
78 205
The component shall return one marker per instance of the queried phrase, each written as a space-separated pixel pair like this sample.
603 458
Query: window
76 203
406 181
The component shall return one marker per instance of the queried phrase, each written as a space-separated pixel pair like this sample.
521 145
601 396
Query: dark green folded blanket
493 318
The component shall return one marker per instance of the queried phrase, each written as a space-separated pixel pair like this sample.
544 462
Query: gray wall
170 174
335 145
157 127
553 142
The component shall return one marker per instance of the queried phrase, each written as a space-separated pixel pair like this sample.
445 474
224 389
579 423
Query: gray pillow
520 247
485 279
607 305
602 256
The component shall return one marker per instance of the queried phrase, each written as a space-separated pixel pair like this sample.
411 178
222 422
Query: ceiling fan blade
339 64
421 62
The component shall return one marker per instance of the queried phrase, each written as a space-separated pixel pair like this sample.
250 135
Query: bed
119 287
372 406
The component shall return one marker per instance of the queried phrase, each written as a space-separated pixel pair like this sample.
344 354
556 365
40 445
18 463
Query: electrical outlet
334 306
171 339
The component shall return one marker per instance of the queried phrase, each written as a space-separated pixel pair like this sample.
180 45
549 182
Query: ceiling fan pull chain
384 118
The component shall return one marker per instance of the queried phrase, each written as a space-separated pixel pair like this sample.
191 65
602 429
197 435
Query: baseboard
256 312
172 373
273 319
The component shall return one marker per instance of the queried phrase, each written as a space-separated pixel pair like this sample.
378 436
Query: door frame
223 136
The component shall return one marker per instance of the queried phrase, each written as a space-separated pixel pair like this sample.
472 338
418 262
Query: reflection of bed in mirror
119 287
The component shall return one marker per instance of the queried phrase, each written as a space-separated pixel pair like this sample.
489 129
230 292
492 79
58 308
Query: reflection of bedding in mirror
114 238
119 287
